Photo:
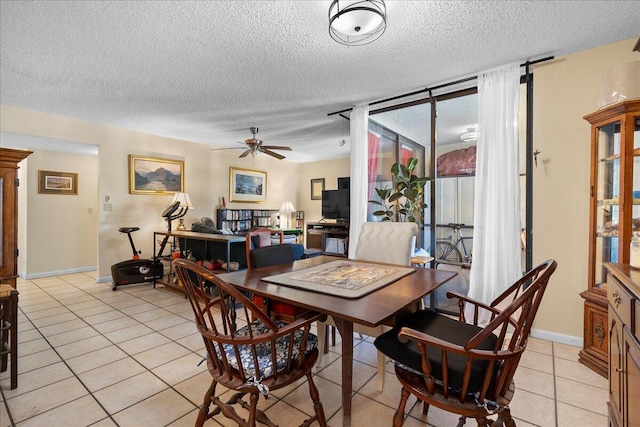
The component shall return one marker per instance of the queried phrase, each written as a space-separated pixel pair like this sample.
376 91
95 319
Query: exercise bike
135 270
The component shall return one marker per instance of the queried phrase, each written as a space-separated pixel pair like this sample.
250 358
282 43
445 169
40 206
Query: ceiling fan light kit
356 23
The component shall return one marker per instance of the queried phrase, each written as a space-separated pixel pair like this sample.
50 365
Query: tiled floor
90 356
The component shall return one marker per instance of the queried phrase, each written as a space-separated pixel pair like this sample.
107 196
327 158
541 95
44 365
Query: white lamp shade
183 198
287 207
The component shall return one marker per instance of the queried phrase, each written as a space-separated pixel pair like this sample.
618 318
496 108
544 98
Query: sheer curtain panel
496 239
359 121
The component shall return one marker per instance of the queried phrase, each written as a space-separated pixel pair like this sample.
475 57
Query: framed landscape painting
246 185
150 175
50 182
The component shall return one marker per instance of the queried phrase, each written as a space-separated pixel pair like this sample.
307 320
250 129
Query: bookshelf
242 220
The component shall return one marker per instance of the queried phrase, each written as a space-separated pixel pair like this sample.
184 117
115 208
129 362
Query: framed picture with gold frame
50 182
152 175
317 186
247 185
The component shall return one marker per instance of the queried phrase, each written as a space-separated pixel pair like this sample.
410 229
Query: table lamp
285 214
185 205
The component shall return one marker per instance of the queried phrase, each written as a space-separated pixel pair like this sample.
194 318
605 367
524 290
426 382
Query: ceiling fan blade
228 148
272 153
276 147
245 154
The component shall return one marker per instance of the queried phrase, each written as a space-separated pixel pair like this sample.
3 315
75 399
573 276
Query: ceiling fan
255 146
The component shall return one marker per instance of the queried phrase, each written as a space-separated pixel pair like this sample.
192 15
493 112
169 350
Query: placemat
348 279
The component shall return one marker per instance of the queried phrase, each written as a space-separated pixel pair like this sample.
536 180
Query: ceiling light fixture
470 136
358 22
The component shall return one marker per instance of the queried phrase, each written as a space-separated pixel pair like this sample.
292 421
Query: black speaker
343 183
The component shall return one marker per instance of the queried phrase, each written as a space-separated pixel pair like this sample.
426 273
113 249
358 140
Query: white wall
330 170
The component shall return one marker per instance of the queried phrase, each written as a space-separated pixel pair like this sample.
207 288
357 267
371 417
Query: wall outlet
107 207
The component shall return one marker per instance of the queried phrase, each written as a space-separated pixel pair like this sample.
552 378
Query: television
335 204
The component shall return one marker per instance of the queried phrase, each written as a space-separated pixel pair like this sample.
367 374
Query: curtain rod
526 64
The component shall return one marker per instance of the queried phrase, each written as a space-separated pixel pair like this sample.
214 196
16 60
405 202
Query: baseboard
559 338
55 273
104 279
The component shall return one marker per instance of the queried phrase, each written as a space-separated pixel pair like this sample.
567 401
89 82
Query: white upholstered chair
387 242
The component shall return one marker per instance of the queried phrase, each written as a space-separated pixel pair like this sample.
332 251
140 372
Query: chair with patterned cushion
387 242
461 367
249 359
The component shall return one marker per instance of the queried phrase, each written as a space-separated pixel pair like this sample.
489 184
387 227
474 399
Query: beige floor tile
128 333
533 408
77 413
193 342
540 346
129 392
565 351
361 373
195 387
143 343
182 330
43 399
72 336
80 347
366 352
582 395
37 360
62 327
435 417
45 315
167 322
138 308
365 413
115 325
106 375
47 323
105 320
537 361
33 346
576 371
36 379
160 355
92 302
95 359
26 336
534 381
151 315
330 397
284 414
90 311
106 422
180 369
158 410
572 416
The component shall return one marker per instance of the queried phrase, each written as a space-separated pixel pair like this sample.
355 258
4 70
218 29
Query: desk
189 237
382 306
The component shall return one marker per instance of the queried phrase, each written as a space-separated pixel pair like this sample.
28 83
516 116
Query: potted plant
405 201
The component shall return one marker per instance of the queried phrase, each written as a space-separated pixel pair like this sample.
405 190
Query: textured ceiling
207 71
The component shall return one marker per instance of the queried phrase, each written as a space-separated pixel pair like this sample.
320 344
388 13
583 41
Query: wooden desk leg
346 332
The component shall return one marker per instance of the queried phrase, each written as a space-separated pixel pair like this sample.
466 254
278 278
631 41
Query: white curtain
359 121
496 236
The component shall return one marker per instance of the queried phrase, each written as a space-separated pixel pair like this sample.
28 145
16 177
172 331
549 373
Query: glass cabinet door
607 198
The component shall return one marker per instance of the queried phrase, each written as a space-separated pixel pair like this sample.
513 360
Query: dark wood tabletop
373 309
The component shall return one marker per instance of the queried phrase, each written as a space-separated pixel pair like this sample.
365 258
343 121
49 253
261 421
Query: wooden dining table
380 307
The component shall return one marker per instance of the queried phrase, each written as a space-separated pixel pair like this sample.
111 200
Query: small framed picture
317 186
150 175
50 182
248 186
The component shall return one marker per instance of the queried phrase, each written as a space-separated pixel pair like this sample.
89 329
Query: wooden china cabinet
614 216
9 160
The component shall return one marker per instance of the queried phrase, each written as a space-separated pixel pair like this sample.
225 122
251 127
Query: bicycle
448 252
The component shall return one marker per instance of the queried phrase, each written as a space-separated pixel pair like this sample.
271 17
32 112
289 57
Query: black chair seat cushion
442 327
271 255
263 350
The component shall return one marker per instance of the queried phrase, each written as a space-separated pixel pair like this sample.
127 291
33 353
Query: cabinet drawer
619 299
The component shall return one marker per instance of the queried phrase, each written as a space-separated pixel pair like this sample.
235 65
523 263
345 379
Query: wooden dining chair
249 359
461 367
386 242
